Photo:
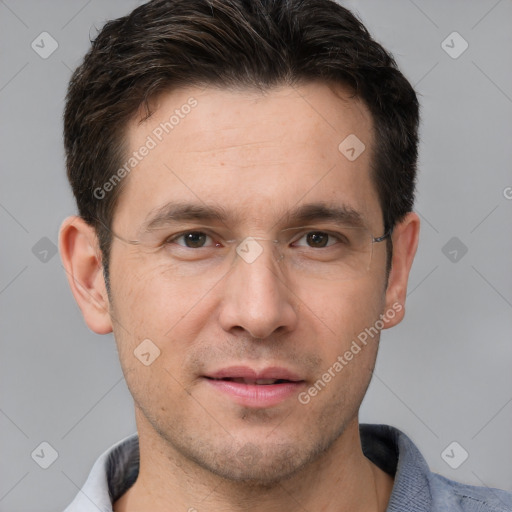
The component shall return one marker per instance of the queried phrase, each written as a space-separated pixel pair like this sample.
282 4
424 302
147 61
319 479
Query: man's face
257 157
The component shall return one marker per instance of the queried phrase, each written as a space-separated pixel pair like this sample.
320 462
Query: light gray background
443 375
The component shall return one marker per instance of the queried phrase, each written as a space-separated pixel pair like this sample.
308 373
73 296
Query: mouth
258 389
253 382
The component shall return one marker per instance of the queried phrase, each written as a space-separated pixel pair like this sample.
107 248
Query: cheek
144 294
348 342
343 308
143 309
152 304
150 319
348 354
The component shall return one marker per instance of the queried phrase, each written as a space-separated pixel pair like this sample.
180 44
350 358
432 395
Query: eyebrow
320 211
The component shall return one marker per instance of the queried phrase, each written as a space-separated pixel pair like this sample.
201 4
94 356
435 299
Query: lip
245 372
256 395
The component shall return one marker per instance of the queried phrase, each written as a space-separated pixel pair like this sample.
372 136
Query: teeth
242 380
266 381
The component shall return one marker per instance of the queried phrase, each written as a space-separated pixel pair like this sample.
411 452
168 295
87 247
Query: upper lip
245 372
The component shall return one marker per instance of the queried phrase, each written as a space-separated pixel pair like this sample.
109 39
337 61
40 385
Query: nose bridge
256 297
252 247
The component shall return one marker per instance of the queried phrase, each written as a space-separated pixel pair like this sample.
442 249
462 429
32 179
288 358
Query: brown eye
192 240
317 239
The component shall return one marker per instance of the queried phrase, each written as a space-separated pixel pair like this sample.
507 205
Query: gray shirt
416 488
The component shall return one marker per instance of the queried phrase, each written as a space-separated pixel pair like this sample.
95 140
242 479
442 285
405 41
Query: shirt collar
396 454
116 470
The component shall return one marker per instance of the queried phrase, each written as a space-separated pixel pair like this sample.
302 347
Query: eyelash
171 240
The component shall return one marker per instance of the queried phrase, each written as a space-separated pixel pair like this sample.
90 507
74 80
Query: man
244 173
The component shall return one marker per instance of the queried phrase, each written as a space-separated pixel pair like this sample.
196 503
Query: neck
340 480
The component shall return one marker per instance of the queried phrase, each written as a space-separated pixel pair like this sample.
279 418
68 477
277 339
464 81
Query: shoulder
112 474
418 489
469 498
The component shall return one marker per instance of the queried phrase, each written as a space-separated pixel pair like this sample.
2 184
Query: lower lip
257 395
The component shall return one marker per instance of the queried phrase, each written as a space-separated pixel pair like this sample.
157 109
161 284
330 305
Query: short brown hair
231 43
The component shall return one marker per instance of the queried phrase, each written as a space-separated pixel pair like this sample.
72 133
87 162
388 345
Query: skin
258 156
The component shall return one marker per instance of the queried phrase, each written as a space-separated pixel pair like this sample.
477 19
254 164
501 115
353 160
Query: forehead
254 154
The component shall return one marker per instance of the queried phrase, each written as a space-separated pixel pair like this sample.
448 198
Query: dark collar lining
380 445
123 468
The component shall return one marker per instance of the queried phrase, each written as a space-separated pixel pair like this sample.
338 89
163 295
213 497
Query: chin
257 466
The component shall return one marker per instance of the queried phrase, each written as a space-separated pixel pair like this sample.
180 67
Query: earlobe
81 258
405 242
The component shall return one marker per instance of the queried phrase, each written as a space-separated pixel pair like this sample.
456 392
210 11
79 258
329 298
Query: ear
405 242
81 257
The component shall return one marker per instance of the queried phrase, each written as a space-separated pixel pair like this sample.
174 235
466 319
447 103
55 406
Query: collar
415 489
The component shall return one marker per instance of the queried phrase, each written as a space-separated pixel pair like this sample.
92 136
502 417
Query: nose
256 297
